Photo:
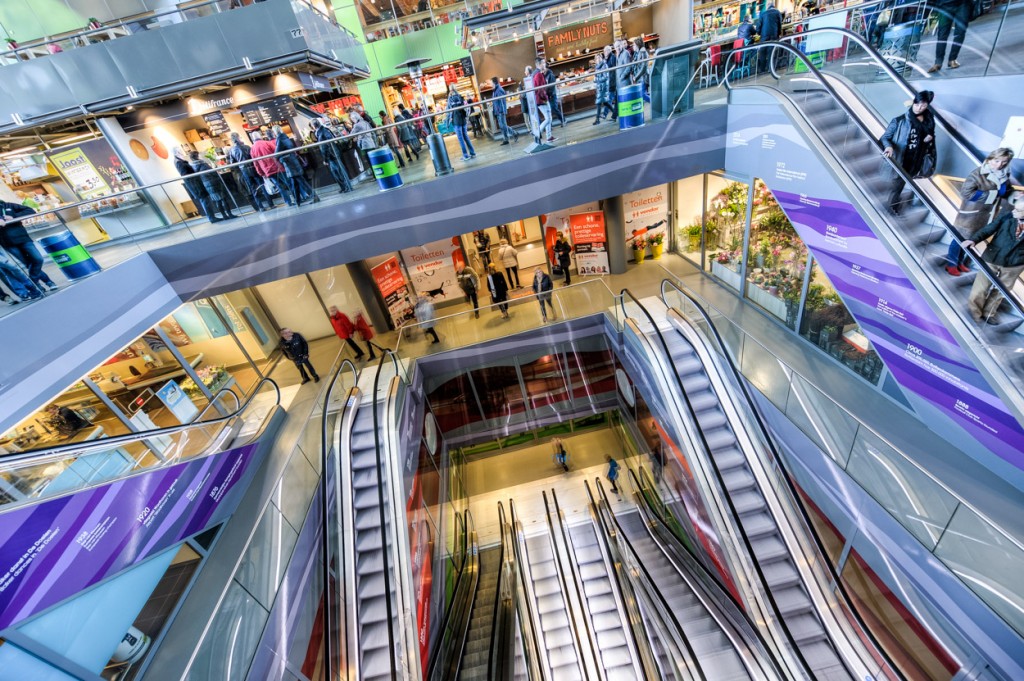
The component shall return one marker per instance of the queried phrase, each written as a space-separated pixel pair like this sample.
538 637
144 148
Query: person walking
909 141
543 103
499 107
15 279
268 167
769 27
563 250
983 195
603 97
613 473
293 167
391 135
193 185
498 287
529 101
624 71
240 152
407 133
953 15
426 315
640 69
467 280
508 256
365 333
1004 256
215 190
344 328
610 62
483 246
14 239
457 117
553 100
331 151
542 289
295 348
561 455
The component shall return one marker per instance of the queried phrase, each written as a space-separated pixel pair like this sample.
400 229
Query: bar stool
709 67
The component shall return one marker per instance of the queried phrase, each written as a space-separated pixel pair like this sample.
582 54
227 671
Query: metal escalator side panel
345 523
798 579
473 666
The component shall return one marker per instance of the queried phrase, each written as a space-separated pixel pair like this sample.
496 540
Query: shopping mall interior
339 345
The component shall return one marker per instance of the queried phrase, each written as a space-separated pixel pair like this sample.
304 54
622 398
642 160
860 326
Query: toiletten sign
590 241
54 549
592 36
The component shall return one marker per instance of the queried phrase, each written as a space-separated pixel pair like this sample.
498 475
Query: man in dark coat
769 27
15 240
240 152
295 348
498 287
332 155
1004 256
953 15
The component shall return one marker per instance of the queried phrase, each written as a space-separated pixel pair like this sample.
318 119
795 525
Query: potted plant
639 249
693 236
93 24
657 243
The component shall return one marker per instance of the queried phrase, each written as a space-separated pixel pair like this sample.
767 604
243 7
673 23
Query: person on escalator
295 348
983 196
1004 256
909 141
613 473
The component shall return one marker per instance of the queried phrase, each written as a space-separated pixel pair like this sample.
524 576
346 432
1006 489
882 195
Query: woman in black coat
909 141
193 185
216 192
293 167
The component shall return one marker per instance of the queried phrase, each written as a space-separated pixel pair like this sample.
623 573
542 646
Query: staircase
556 634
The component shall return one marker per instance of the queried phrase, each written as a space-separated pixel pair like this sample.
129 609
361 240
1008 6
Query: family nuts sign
592 35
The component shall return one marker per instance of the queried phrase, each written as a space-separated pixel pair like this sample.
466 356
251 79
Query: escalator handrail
815 73
644 507
79 448
389 609
580 598
517 538
491 674
779 461
435 656
325 448
605 516
954 134
720 478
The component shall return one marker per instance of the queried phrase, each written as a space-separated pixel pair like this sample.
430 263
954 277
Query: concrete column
369 295
615 224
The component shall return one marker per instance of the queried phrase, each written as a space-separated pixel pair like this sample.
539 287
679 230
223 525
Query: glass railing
524 314
921 230
228 197
99 32
30 476
987 559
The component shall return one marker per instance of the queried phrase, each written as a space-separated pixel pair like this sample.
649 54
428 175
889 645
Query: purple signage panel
907 334
55 549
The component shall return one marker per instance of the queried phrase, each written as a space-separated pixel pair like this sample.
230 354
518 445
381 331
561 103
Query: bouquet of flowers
211 376
639 243
656 239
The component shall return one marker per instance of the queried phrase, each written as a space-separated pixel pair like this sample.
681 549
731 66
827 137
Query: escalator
888 264
476 654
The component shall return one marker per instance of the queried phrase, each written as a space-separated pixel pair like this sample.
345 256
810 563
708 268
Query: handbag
557 270
270 186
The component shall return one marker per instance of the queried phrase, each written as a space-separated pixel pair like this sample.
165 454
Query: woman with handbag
363 132
909 142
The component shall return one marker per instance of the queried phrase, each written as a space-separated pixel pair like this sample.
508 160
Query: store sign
54 549
646 212
590 241
391 284
217 124
920 352
178 401
339 105
593 35
432 266
80 174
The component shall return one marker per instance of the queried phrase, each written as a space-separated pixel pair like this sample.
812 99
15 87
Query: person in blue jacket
746 30
542 289
769 27
613 473
15 240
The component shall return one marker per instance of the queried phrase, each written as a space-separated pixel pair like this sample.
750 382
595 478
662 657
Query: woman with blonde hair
983 196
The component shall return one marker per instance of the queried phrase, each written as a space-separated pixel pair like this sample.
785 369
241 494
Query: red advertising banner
391 283
590 241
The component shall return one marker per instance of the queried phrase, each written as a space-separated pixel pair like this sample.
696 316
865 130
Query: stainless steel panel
37 87
146 60
89 74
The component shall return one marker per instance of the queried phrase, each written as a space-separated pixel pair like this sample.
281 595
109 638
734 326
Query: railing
337 164
337 541
126 26
502 650
73 467
987 558
536 660
445 655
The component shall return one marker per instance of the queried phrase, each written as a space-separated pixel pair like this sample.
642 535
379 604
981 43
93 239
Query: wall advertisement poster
590 241
432 268
392 286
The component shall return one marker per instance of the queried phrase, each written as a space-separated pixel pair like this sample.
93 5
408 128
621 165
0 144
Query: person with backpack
467 280
542 289
344 328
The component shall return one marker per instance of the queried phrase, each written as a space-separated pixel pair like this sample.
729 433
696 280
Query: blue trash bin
631 106
70 255
385 169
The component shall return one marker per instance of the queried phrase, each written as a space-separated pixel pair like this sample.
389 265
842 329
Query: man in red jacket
267 166
540 80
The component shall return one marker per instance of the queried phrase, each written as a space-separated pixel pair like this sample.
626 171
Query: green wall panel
26 20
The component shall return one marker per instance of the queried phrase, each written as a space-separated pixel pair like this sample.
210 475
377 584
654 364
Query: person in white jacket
426 315
508 256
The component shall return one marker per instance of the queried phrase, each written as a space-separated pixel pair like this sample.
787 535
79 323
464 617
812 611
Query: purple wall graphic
54 549
916 346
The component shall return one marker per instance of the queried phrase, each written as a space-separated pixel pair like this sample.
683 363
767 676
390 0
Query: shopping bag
270 186
557 270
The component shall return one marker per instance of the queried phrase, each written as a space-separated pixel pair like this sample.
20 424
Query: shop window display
690 224
724 222
776 259
828 324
